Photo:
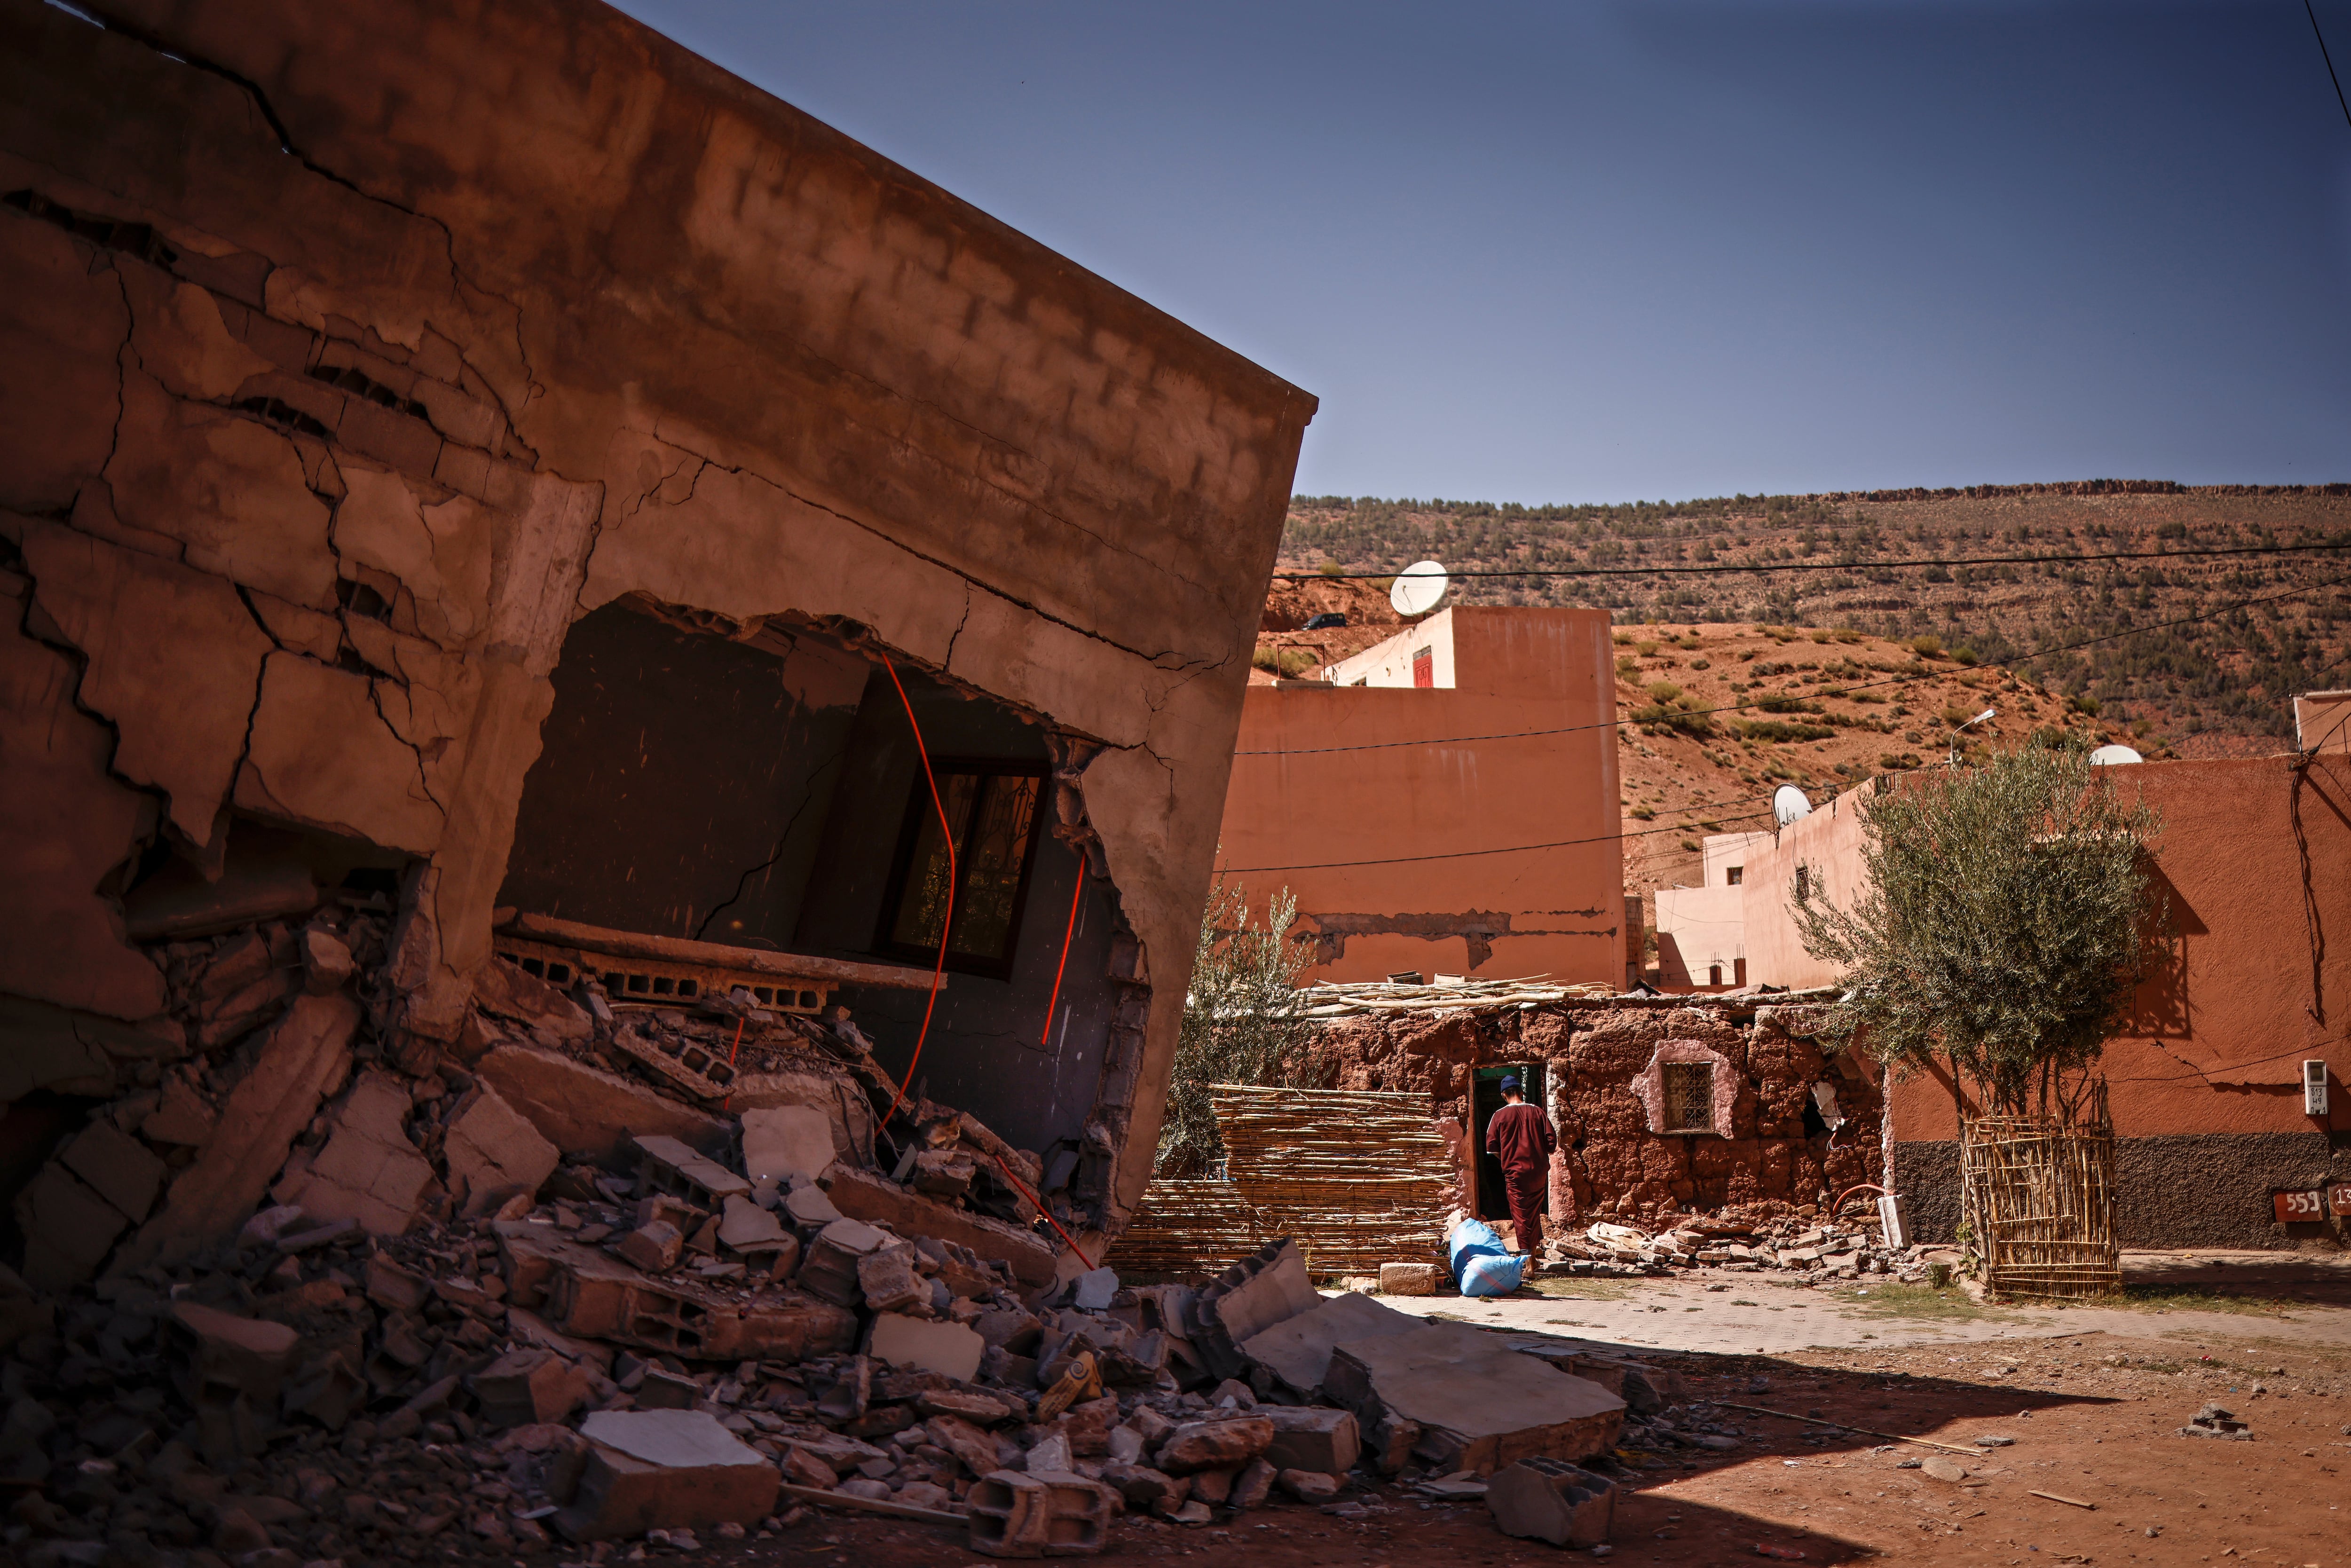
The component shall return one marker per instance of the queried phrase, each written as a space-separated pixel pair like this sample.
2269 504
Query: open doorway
1485 1098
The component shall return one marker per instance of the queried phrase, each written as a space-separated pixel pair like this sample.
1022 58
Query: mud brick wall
1609 1164
355 353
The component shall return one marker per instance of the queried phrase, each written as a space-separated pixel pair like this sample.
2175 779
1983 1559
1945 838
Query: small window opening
1734 876
1689 1096
992 808
1423 667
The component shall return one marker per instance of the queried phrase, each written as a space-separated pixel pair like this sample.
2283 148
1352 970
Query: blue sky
1599 252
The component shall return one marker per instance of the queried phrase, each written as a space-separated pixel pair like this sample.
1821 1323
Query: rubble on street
317 1292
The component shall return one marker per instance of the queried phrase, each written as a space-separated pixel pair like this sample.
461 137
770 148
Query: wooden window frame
921 808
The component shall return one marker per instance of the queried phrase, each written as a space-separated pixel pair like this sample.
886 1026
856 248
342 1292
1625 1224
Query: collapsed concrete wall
366 364
1759 1145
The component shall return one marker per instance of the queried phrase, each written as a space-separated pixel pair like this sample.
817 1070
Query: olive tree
1243 1021
2006 916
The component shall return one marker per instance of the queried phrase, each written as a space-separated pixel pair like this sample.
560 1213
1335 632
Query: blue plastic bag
1488 1275
1482 1265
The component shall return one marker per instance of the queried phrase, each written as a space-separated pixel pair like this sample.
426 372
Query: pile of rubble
309 1286
1827 1250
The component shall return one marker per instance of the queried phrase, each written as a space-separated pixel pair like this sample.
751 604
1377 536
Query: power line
2329 59
1841 691
1467 854
1727 568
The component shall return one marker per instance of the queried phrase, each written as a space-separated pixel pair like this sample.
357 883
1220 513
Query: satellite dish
1790 804
1417 588
2113 757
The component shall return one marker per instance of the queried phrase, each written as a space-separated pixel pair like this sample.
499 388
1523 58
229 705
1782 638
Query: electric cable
1721 567
2311 11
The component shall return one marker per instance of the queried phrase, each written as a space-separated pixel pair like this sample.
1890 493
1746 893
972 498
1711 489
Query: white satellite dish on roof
2113 757
1417 588
1790 804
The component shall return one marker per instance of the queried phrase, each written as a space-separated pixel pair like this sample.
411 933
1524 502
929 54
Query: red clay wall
1326 776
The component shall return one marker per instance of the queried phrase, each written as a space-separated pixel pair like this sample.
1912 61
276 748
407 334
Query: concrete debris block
1038 1514
504 990
1943 1469
1298 1349
784 1141
803 1469
1479 1403
862 1195
305 1055
653 1247
664 1390
975 1450
886 1278
588 1112
665 1165
1550 1499
2212 1421
745 1227
1125 1445
1265 1289
944 1173
829 1267
1051 1453
183 1117
586 1295
390 1285
329 1390
810 1206
1407 1279
979 1409
232 1353
1252 1486
326 965
368 1171
929 1344
116 1167
650 1470
494 1153
67 1229
1146 1490
965 1272
1309 1486
1092 1290
523 1387
1313 1438
1215 1487
1215 1445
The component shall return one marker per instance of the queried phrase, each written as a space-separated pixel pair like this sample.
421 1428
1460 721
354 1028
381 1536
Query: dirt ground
2092 1416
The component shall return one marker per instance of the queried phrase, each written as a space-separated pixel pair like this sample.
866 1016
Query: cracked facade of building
495 467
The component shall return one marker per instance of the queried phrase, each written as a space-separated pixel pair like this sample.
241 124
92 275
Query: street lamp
1987 712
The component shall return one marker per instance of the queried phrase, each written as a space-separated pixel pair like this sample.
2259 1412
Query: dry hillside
2215 681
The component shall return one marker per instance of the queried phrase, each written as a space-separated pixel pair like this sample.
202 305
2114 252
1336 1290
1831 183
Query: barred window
1689 1097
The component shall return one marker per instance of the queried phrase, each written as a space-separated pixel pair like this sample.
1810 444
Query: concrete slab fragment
586 1112
493 1152
1298 1349
931 1344
368 1170
1480 1405
650 1470
782 1141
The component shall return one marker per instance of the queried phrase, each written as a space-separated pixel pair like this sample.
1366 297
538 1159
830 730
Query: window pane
923 908
1689 1096
994 852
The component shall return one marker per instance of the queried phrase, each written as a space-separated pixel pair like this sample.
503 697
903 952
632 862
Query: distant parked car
1326 621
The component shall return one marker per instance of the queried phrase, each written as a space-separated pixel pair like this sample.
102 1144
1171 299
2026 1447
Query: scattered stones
2212 1421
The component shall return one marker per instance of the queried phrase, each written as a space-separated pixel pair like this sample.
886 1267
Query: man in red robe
1518 1136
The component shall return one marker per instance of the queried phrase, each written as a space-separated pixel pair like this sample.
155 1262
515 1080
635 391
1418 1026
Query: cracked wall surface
357 352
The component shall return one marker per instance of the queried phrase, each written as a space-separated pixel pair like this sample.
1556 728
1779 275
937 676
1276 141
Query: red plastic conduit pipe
947 925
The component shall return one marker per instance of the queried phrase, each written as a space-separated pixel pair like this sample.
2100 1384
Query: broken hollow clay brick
1550 1499
659 1469
664 1165
1047 1514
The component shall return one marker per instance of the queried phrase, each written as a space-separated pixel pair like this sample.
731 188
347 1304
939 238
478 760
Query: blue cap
1510 1083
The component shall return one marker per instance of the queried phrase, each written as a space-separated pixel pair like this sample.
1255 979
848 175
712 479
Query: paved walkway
1771 1313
